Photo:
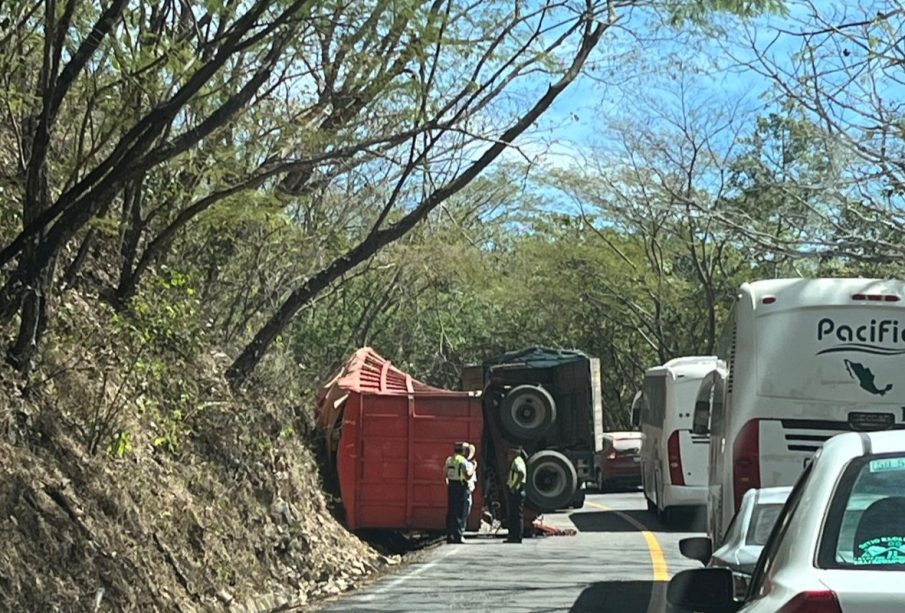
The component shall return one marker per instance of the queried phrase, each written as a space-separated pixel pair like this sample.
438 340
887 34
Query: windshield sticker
882 550
887 465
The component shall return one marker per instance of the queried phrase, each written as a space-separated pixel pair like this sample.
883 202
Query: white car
745 537
838 545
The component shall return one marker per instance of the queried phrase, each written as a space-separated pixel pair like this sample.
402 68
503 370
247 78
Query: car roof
615 435
886 441
850 445
692 367
773 495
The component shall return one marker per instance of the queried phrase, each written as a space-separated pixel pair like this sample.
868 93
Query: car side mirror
705 590
698 548
636 416
701 420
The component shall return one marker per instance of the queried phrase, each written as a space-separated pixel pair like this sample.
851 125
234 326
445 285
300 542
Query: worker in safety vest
456 471
515 493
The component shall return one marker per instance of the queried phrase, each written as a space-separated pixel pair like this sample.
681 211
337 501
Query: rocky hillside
132 479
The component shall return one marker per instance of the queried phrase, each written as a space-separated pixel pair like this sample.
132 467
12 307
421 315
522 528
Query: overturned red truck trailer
388 437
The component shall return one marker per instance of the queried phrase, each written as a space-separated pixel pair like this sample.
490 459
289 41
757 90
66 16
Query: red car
619 462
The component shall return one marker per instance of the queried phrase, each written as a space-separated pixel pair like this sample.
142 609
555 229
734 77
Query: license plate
865 422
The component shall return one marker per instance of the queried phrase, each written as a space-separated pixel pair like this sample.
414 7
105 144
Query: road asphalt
619 561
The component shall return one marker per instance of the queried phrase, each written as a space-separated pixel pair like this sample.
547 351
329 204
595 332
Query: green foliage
165 318
170 429
121 444
643 275
701 11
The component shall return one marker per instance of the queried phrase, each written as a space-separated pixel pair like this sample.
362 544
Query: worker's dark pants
455 512
516 507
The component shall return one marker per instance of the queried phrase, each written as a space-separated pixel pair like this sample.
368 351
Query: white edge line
380 589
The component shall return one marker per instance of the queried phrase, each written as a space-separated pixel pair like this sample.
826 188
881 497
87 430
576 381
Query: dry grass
230 516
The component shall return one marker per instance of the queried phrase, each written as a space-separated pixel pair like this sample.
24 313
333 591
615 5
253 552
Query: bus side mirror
636 416
701 421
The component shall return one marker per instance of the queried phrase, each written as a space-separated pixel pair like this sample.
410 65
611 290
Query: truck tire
527 412
552 481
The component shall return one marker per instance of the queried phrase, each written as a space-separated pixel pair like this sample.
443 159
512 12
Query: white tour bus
673 460
801 360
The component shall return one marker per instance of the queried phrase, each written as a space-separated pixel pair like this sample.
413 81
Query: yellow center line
657 561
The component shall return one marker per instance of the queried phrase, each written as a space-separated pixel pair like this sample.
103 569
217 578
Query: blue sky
642 72
645 64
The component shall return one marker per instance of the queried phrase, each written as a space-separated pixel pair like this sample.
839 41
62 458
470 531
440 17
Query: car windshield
762 523
865 526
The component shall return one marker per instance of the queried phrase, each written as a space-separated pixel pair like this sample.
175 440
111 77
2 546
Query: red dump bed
391 455
391 435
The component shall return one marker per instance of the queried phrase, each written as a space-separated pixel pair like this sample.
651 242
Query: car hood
739 559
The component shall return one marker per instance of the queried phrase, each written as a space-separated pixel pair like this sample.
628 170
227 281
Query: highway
619 561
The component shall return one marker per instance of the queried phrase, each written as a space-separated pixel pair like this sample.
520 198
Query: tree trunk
33 321
75 266
132 223
248 360
32 296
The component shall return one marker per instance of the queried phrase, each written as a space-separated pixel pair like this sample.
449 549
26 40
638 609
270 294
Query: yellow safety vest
518 473
455 469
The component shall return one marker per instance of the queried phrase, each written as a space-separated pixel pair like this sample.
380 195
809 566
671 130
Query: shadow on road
617 489
611 521
620 597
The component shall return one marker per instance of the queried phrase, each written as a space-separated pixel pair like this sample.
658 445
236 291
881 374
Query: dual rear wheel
527 413
552 481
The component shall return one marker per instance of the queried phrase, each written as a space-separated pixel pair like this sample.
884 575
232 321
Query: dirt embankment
215 506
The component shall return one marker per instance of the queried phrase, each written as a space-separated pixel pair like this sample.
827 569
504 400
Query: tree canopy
323 175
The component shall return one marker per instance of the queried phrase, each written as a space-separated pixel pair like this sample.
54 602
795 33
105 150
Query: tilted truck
387 436
549 402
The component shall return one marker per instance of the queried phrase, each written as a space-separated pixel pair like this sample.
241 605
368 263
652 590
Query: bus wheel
552 481
527 412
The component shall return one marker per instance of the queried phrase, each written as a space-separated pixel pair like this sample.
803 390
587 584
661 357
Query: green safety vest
455 469
518 473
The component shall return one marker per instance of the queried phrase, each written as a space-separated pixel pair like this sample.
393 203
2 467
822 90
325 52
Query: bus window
717 408
655 396
638 409
701 419
708 407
